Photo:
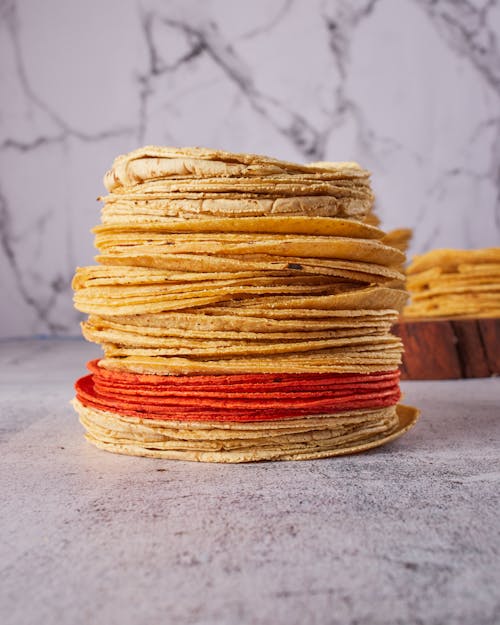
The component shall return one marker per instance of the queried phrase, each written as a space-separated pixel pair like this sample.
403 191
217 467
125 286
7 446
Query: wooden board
450 349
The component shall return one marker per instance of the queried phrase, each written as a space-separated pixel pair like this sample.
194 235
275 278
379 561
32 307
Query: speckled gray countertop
408 533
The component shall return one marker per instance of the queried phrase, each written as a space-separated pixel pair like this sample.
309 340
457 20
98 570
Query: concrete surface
408 533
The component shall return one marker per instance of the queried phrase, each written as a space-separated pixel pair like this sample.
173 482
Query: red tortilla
270 380
253 397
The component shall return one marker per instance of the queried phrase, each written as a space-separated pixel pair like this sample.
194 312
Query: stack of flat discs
244 310
451 328
454 283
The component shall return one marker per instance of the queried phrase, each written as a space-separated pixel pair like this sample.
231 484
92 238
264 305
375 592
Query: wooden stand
450 349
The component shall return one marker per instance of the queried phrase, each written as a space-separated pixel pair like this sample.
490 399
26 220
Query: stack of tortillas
243 309
455 283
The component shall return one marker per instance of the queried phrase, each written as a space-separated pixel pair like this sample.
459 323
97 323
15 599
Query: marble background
409 88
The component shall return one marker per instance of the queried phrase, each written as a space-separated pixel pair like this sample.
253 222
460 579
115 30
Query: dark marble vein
465 28
207 39
268 26
42 308
63 130
341 21
30 279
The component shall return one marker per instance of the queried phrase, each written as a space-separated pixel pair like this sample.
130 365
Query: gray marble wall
408 88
